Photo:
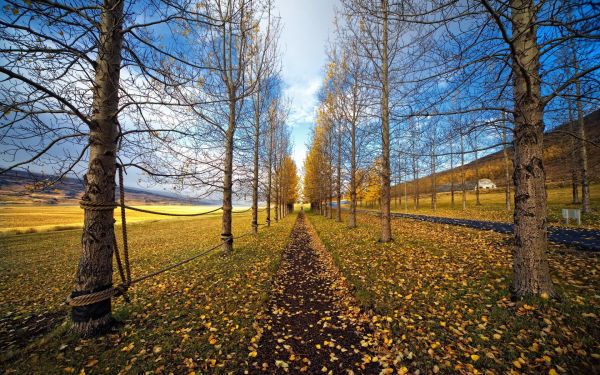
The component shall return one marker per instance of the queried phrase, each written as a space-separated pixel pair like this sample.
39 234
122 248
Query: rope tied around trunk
124 271
226 238
123 265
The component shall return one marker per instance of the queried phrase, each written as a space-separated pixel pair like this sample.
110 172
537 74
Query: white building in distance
486 183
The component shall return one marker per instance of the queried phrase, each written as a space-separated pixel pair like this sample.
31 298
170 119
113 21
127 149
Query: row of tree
410 83
185 92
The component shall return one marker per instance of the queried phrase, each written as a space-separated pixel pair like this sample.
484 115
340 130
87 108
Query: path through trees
312 325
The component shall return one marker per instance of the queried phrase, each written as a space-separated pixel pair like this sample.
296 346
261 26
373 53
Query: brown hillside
557 158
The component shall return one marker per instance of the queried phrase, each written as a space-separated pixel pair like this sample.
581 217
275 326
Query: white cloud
303 97
307 25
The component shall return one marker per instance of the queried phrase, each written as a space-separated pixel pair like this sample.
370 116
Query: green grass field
195 318
493 207
439 301
15 219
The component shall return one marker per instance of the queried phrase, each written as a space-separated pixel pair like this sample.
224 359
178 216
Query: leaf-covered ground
198 318
439 298
313 325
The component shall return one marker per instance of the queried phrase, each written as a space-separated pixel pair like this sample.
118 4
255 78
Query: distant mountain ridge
21 187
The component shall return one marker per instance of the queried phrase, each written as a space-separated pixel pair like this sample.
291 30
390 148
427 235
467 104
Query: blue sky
307 25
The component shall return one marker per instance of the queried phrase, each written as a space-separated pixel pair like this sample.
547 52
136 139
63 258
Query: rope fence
123 265
171 214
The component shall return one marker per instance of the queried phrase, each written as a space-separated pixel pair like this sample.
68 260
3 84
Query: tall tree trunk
417 190
477 201
406 194
506 163
414 187
255 163
462 172
451 171
339 174
531 274
583 158
399 187
386 224
433 184
283 195
574 159
270 167
94 272
277 181
226 235
352 218
330 168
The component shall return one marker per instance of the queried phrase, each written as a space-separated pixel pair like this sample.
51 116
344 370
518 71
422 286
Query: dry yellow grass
16 219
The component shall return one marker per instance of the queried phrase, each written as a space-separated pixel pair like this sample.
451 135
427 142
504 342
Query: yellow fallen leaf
253 354
474 357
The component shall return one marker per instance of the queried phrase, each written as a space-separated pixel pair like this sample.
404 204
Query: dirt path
311 325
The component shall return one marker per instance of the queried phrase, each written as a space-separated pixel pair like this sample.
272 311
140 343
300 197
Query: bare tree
498 46
582 144
379 41
63 82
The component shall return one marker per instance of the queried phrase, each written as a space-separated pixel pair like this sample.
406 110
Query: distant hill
20 187
557 161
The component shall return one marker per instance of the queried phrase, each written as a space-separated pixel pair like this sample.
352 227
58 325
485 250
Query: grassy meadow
18 219
493 207
439 301
198 317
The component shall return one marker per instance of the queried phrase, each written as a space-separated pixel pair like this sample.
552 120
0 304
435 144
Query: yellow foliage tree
317 166
373 183
289 180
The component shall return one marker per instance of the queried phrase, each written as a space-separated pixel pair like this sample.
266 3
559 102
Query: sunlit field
16 219
493 208
439 301
198 317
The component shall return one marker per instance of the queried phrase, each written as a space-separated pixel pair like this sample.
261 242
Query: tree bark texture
94 272
531 274
386 224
